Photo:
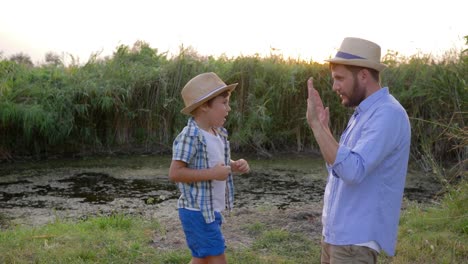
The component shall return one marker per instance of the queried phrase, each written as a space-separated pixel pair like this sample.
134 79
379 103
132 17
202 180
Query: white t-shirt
215 149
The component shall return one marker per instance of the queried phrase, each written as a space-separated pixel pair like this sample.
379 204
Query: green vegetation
428 234
435 234
130 103
109 239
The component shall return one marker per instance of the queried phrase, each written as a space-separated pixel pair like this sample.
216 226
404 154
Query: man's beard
358 94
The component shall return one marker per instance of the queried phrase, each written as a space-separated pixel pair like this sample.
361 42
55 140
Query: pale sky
299 29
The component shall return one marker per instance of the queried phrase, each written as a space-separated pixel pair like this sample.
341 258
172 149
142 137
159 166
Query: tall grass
435 95
130 102
435 234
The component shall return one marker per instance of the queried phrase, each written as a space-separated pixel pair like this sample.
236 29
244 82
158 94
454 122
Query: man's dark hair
355 69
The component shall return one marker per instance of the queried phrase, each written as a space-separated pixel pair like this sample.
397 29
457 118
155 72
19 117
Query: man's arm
318 118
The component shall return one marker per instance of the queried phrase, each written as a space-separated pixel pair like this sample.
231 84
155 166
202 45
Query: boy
202 168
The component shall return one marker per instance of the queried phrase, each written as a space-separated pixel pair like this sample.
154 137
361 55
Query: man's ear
364 74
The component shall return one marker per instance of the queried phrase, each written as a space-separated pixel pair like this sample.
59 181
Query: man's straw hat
359 52
202 88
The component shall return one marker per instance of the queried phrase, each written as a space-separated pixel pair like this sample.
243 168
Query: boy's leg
205 241
221 259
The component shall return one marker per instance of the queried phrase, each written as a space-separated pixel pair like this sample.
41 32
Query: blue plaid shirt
190 147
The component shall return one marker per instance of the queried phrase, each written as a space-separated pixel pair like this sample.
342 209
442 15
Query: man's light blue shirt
365 185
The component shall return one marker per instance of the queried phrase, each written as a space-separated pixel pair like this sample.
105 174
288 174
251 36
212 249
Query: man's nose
335 87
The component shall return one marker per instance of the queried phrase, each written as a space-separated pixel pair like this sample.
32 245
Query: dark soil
281 194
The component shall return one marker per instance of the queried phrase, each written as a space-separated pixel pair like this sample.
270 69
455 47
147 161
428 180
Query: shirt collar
191 122
369 101
195 129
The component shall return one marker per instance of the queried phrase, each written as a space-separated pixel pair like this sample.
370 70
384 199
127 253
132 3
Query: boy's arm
178 172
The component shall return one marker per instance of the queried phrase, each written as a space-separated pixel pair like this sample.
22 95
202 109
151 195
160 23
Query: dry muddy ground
278 194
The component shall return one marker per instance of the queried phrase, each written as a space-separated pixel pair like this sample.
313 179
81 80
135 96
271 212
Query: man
367 167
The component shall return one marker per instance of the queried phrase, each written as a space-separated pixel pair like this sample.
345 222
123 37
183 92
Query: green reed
130 103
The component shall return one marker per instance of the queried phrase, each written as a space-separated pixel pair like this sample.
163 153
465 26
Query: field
129 103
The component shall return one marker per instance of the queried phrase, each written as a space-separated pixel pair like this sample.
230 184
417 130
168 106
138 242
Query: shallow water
39 192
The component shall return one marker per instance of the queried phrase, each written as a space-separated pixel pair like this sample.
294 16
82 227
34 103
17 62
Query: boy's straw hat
202 88
359 52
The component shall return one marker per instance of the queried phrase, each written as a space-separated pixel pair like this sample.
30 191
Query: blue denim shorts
202 239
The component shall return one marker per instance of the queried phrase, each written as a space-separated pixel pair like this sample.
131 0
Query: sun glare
306 30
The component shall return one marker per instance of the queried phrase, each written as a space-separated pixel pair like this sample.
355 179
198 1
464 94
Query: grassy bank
436 234
428 234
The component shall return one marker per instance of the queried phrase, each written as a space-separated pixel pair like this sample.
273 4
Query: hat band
347 56
201 98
